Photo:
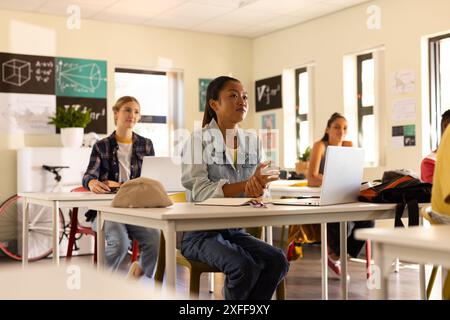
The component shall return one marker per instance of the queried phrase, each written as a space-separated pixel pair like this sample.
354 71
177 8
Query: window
439 50
150 88
301 109
366 99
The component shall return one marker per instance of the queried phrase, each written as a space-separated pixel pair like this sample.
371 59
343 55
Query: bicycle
40 226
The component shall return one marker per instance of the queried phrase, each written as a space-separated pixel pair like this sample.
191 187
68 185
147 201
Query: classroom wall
325 41
198 55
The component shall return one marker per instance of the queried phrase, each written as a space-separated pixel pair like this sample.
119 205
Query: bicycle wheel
39 230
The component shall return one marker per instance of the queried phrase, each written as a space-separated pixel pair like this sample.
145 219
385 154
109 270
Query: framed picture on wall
268 121
202 86
268 94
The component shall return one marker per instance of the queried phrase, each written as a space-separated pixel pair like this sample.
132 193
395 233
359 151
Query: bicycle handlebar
55 170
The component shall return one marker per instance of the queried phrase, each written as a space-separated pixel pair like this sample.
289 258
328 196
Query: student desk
191 217
56 201
416 244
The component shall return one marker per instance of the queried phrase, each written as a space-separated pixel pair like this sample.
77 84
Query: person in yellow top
440 193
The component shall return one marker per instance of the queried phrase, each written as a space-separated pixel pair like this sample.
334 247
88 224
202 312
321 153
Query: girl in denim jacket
222 160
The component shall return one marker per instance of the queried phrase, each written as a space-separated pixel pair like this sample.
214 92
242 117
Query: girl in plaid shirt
114 160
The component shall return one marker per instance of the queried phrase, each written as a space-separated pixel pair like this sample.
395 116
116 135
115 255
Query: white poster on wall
26 113
404 109
403 81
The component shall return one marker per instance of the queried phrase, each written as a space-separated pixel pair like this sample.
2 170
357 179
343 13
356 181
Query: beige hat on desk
141 193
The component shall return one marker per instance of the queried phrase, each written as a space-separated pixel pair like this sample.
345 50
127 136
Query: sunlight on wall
32 39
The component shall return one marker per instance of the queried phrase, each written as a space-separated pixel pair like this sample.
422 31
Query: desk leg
56 222
25 222
171 261
422 285
343 255
384 265
100 241
324 250
422 279
269 235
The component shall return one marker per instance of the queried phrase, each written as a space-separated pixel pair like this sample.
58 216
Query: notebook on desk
342 178
233 202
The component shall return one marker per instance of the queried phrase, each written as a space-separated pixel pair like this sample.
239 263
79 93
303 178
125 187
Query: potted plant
71 120
303 162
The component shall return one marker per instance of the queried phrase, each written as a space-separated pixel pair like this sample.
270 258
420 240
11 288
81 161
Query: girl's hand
112 184
253 188
98 187
264 179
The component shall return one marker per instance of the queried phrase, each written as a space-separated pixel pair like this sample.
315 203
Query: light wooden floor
303 280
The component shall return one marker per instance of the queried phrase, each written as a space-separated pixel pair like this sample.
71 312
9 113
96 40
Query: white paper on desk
404 109
234 202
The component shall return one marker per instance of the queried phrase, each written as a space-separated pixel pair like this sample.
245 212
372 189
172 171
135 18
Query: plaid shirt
103 164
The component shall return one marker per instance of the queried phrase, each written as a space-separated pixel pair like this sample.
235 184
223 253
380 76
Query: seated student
440 193
335 133
225 163
427 165
114 160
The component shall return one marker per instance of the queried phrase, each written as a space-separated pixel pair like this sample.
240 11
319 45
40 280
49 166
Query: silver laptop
342 178
167 170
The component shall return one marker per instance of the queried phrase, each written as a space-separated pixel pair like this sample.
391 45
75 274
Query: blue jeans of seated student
252 267
353 246
118 242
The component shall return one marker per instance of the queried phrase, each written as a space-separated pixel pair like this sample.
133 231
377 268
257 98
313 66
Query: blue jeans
118 242
252 267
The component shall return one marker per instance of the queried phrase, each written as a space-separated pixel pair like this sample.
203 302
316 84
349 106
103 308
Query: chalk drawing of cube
16 72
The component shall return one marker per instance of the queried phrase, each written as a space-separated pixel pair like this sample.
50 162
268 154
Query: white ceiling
245 18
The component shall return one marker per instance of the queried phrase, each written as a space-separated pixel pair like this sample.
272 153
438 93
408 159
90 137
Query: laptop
342 178
166 170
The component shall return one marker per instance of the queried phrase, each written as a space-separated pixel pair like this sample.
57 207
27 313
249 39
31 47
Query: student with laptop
114 160
221 161
335 133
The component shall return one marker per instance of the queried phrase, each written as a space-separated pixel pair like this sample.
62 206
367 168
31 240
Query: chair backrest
178 197
79 189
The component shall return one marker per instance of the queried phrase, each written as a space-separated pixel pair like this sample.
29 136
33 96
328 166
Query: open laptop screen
164 169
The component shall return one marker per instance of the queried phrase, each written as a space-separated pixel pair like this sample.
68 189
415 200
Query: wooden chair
425 212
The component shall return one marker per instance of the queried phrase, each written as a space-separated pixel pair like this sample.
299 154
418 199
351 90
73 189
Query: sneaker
335 266
135 271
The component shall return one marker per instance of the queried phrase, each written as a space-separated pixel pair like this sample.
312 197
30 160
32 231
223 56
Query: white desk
72 281
417 244
56 201
189 217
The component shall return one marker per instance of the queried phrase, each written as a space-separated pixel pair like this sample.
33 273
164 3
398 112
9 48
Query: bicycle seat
53 168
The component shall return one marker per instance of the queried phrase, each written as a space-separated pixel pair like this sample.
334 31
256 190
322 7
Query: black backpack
403 189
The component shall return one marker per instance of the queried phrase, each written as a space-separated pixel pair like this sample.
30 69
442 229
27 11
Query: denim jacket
207 165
